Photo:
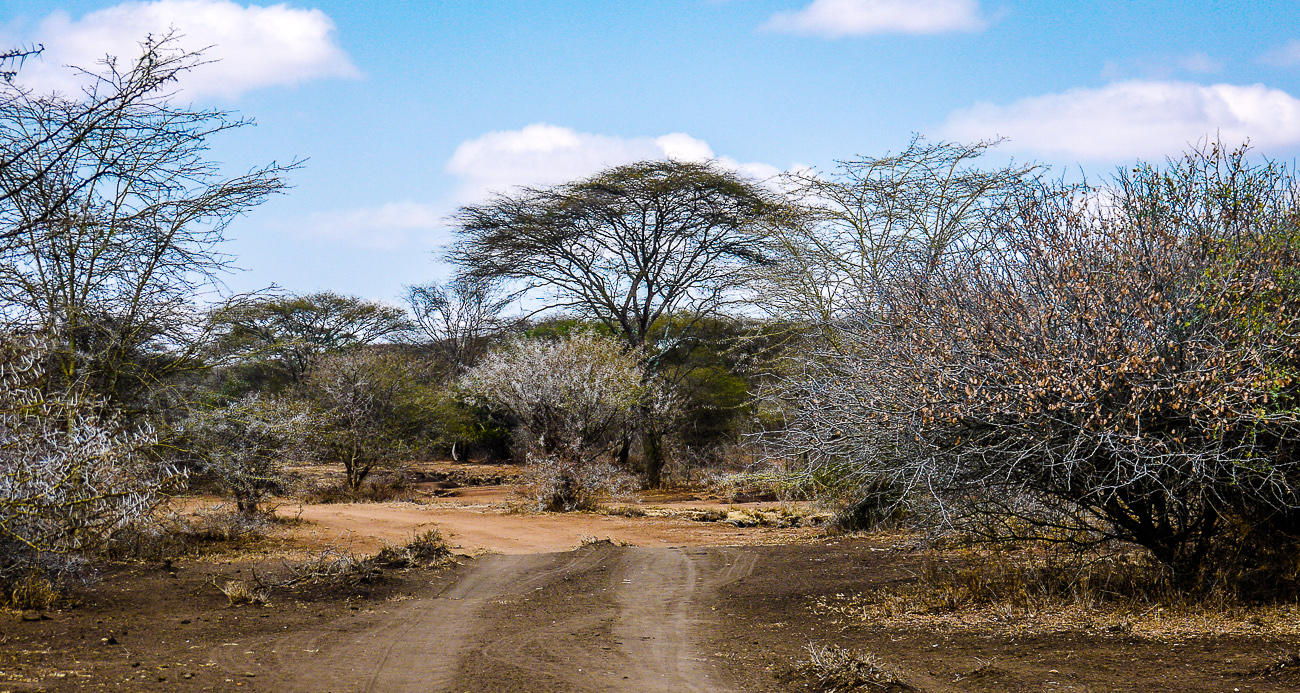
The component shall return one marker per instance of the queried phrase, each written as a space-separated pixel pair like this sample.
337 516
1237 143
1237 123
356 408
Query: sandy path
366 526
602 618
657 614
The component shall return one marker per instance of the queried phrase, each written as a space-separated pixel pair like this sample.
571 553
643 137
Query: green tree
277 340
374 408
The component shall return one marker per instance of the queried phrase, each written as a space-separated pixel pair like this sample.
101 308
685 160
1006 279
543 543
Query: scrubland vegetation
1096 382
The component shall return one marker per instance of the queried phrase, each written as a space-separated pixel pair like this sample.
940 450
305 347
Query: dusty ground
692 606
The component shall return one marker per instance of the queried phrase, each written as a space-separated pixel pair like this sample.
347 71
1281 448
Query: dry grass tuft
837 670
33 591
427 548
244 592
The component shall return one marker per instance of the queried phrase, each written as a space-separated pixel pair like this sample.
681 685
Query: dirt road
603 618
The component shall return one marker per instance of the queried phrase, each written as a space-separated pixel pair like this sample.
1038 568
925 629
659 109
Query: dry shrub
837 670
625 511
1125 592
428 547
560 484
592 540
749 486
383 490
70 469
1117 362
337 567
32 591
710 515
172 535
245 592
781 517
332 567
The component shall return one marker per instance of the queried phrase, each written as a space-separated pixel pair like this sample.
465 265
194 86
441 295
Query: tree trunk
625 451
652 442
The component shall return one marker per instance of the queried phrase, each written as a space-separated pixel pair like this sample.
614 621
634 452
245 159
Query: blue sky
405 110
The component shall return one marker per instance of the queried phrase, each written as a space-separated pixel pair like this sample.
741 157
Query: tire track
634 629
658 615
602 618
416 647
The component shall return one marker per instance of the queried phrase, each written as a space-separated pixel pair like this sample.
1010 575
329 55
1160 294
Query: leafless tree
875 221
458 319
111 219
1122 365
14 59
370 411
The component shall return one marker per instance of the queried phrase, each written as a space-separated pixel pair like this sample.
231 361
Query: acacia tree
242 444
626 247
292 332
1124 365
113 218
97 116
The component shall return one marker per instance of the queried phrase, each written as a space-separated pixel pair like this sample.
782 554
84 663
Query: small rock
110 640
187 675
249 674
185 621
32 615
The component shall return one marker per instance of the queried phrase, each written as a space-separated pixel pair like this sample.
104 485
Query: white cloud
392 226
836 18
541 154
1284 56
1134 119
252 46
537 155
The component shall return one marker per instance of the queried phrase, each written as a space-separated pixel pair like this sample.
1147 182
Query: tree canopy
627 246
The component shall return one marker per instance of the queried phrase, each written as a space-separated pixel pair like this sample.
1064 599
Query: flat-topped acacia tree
626 247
